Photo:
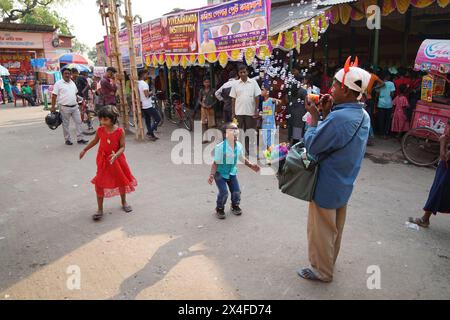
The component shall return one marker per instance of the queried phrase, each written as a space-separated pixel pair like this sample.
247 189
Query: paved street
173 247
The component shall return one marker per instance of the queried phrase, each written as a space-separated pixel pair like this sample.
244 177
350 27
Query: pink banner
434 55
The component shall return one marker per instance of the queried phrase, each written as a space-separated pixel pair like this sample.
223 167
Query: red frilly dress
399 120
116 179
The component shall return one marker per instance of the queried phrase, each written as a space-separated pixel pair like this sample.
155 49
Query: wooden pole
405 37
103 13
136 101
114 31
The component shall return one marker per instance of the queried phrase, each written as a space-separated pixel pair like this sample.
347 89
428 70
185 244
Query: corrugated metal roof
324 3
286 17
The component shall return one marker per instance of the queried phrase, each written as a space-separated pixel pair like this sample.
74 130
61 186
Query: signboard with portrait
234 25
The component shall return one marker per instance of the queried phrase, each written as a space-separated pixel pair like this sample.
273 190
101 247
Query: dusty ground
172 246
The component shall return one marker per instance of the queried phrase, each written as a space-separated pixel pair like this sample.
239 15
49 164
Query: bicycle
178 114
421 146
159 103
90 122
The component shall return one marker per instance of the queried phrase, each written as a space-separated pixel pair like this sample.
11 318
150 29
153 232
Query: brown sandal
419 221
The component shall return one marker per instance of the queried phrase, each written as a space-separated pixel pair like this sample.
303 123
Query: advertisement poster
234 25
138 46
124 48
51 66
46 91
146 39
157 43
180 33
18 65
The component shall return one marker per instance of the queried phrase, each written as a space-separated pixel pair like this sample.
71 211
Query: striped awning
326 3
287 17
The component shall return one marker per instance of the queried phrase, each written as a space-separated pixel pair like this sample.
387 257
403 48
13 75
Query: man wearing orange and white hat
338 143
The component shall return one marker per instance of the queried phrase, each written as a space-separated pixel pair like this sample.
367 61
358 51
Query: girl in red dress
113 174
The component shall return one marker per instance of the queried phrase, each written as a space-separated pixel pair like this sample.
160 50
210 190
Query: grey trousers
74 113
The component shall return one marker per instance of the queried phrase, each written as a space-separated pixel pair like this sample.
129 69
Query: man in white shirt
65 96
245 94
148 106
223 94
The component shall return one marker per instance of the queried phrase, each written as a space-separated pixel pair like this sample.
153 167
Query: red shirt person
108 87
404 79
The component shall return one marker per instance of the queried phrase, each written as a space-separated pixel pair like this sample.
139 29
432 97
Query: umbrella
79 67
73 58
3 71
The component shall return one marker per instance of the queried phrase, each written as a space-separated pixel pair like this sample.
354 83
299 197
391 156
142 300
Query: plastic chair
24 102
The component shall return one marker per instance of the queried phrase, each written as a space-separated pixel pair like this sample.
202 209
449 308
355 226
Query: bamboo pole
103 13
136 101
115 49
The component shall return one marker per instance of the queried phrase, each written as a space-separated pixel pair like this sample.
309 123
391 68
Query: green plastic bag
298 175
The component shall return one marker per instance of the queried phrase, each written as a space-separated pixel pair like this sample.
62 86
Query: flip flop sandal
419 222
308 274
127 209
97 217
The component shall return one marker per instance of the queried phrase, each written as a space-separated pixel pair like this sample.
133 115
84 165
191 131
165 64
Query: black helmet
53 120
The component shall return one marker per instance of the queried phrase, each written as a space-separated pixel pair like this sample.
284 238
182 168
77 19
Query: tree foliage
33 12
79 47
47 17
92 54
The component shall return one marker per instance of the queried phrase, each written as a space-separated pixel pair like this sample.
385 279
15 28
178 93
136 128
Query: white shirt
146 102
66 92
245 94
226 85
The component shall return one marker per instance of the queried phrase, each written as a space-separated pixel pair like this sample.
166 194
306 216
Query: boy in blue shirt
224 170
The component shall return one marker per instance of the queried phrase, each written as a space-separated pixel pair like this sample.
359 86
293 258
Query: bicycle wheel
172 115
160 109
187 120
421 146
90 123
131 119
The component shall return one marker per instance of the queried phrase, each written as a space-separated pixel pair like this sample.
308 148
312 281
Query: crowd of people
335 136
390 99
13 90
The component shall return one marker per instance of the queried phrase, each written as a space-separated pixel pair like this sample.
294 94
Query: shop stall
433 109
430 120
